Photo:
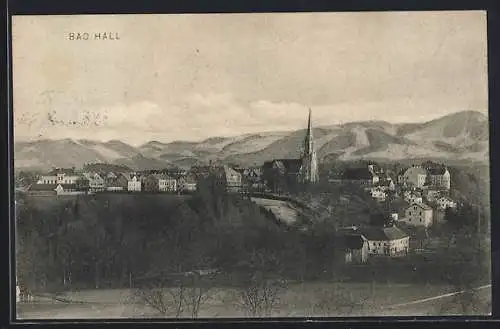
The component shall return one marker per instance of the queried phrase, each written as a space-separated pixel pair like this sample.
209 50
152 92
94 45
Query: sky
190 77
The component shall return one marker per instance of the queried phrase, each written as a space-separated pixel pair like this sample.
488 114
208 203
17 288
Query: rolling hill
462 136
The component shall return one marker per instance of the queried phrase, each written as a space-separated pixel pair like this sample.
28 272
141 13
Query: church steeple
308 143
309 161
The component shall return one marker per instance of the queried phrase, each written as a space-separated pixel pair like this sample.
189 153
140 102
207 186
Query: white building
60 176
360 244
412 197
414 176
68 189
418 214
166 183
96 182
389 241
378 193
440 177
446 202
134 184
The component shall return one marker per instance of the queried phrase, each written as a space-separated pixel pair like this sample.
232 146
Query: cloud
199 116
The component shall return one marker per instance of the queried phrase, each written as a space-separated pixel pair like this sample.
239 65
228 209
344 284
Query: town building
134 184
166 183
432 194
285 174
42 189
446 202
187 183
60 176
149 183
418 214
386 241
378 193
412 197
97 182
362 176
440 177
281 174
232 179
360 244
415 176
118 183
69 189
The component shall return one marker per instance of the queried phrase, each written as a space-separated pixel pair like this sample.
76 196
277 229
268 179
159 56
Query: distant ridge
462 136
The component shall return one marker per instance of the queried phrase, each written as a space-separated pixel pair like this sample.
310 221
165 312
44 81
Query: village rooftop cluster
418 195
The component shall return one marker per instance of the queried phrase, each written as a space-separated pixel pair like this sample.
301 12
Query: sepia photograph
259 165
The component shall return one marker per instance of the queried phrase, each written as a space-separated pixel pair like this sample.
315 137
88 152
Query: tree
260 296
261 287
182 297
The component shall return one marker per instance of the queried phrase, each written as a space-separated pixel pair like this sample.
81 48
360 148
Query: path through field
299 300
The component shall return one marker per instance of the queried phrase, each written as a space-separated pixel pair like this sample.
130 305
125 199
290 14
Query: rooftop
357 173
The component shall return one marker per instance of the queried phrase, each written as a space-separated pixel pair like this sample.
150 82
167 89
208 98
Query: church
288 174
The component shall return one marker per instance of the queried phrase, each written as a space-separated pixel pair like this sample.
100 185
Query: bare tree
195 298
260 296
183 298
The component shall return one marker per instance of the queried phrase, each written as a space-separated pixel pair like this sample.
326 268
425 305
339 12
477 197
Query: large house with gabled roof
360 244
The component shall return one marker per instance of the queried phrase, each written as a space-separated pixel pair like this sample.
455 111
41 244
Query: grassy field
298 300
283 210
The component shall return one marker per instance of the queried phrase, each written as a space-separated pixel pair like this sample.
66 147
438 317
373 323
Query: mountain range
462 136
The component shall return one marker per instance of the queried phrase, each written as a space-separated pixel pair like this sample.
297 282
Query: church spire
309 161
308 147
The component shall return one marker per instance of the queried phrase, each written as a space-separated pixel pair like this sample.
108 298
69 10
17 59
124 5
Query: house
415 176
187 183
378 193
253 174
111 175
69 189
355 248
42 189
440 177
119 183
360 244
360 176
97 182
134 184
149 183
281 174
418 214
166 183
252 178
432 195
413 197
386 182
398 207
446 202
386 241
60 176
232 179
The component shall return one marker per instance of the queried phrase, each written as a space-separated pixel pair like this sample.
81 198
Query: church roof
288 165
383 234
357 173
